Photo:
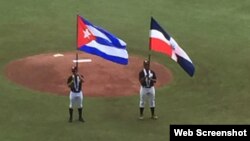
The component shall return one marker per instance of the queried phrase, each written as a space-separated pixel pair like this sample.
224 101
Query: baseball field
215 35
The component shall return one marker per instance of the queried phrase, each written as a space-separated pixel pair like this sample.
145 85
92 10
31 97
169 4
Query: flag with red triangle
98 41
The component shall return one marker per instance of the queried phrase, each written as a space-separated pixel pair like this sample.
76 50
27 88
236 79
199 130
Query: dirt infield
47 73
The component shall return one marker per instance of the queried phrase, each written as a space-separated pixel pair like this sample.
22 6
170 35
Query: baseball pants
147 93
76 99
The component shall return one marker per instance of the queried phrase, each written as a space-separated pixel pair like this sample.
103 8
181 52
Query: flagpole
149 52
149 46
77 40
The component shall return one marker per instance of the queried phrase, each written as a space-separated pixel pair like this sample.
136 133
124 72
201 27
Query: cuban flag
97 41
161 41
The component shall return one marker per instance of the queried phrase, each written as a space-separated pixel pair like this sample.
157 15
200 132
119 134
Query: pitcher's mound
49 73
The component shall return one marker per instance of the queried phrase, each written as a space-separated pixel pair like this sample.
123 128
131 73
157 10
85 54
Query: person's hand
71 84
81 77
154 80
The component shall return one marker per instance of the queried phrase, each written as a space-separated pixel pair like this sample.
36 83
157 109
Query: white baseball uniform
147 88
76 94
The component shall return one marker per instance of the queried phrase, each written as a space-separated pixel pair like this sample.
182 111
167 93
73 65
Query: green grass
214 33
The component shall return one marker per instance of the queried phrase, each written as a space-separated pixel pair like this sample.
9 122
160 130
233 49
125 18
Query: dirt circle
47 73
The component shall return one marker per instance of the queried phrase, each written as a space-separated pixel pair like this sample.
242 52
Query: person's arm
70 82
141 77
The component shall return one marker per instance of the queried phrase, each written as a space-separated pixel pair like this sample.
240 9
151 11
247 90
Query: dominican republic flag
97 41
161 41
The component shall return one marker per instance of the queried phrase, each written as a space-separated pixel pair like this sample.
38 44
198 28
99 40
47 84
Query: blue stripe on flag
156 26
105 42
113 39
109 35
97 52
186 65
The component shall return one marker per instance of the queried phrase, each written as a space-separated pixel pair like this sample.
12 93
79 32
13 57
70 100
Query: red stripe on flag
160 46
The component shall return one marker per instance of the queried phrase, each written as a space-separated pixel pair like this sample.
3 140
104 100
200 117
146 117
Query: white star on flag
86 33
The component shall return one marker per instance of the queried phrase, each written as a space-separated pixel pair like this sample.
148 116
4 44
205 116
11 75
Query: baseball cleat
141 117
70 120
81 119
154 117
